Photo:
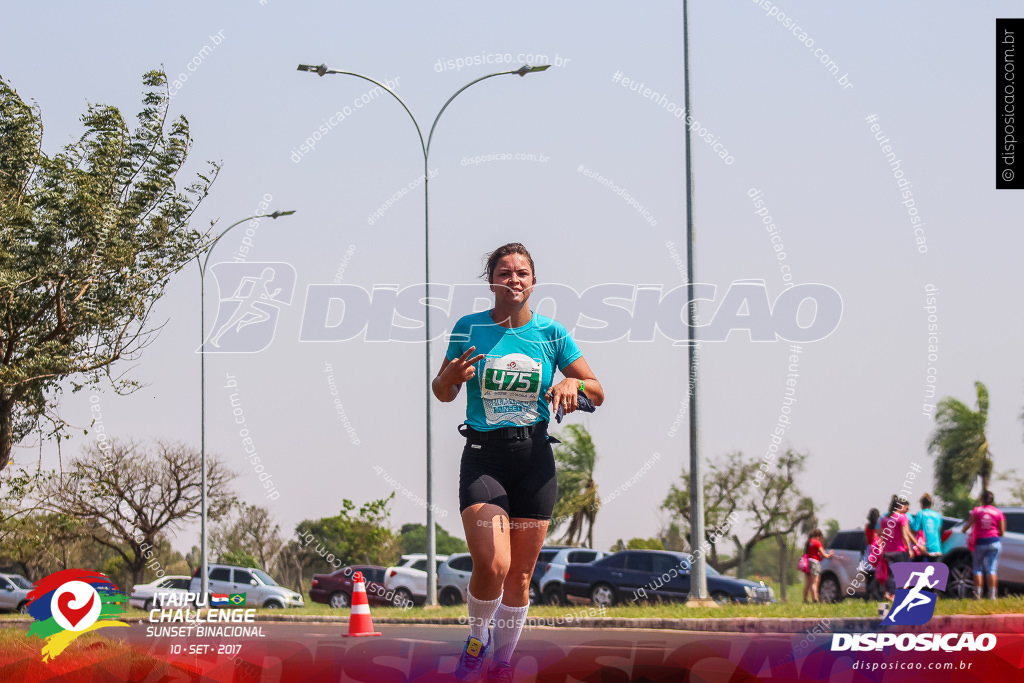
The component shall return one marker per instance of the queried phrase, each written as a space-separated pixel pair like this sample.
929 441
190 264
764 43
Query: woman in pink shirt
894 529
989 524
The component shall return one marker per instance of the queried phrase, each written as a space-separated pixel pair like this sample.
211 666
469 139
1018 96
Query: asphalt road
283 652
430 652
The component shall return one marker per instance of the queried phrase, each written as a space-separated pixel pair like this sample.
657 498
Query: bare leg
527 538
487 535
526 541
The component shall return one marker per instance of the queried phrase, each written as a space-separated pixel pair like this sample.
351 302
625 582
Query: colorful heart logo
76 605
73 615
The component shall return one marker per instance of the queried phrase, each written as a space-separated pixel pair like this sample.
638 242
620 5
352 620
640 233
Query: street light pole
698 572
204 568
322 70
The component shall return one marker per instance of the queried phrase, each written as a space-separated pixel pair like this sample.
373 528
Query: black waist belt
502 433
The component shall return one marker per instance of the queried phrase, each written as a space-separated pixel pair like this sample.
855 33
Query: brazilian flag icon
237 599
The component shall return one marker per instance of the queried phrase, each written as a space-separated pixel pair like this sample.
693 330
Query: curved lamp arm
322 70
209 251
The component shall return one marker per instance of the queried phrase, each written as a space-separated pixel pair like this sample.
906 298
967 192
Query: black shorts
516 475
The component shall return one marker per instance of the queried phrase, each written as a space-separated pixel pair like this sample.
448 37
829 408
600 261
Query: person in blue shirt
507 358
930 522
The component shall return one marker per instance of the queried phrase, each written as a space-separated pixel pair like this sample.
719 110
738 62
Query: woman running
507 483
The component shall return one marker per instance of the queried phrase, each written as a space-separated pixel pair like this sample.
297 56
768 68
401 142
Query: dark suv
653 575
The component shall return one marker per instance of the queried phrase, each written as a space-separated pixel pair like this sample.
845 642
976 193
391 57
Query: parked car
1011 557
13 595
20 581
453 579
551 586
839 571
335 589
547 553
146 596
453 576
619 576
407 581
260 590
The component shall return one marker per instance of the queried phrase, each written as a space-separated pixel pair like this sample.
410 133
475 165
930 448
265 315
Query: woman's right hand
461 370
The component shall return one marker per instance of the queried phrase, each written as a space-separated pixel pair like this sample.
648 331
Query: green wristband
583 387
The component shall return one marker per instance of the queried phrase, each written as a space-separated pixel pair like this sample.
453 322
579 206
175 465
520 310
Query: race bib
510 388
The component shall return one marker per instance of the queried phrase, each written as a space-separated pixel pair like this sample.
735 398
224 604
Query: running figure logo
247 318
914 603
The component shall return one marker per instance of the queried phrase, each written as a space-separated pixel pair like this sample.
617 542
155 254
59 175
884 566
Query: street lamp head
527 69
278 214
319 70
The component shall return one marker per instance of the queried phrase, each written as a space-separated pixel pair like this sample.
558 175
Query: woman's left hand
563 394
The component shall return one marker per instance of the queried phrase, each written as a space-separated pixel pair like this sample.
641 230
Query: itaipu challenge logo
72 602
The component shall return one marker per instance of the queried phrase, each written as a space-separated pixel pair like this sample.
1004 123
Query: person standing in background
874 590
895 532
989 524
928 522
815 551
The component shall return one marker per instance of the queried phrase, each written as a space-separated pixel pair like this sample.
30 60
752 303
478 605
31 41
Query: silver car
839 571
259 588
552 590
453 579
146 596
14 593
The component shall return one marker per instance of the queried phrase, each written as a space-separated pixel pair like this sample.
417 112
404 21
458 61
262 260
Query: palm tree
960 446
577 500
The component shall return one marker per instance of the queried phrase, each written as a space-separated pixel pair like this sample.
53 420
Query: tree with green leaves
41 543
361 538
577 502
249 532
89 239
414 540
672 538
960 446
129 495
770 505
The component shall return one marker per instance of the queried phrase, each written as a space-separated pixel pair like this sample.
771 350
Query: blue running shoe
472 660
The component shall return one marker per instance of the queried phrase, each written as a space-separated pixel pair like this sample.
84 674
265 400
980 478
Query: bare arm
908 537
564 393
453 374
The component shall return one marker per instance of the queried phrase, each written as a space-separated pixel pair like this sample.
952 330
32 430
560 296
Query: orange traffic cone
359 621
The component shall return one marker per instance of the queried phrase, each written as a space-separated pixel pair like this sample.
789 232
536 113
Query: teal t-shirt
930 522
517 370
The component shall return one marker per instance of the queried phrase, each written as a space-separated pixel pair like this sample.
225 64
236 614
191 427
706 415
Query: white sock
508 624
993 593
480 613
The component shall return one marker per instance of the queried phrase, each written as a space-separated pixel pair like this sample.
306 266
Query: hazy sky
791 129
